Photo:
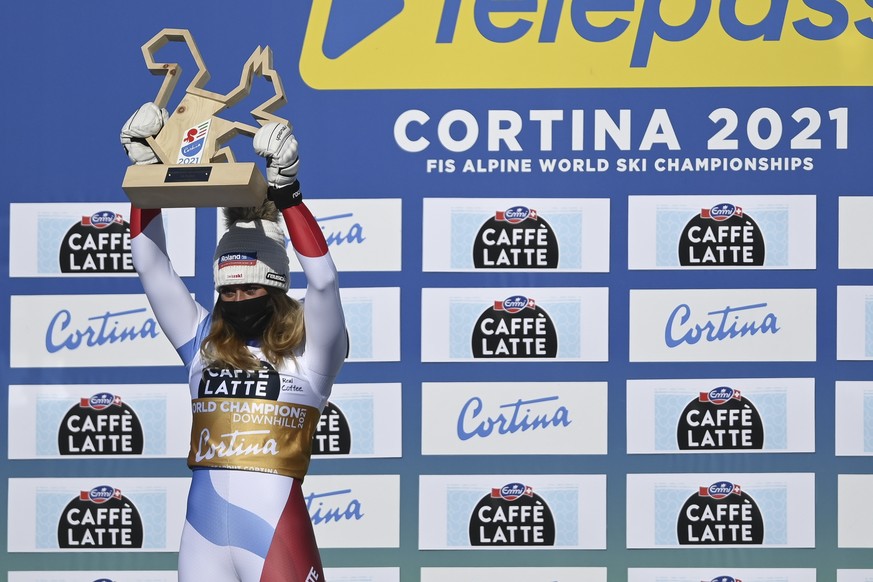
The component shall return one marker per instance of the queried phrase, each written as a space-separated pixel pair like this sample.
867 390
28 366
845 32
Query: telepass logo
397 44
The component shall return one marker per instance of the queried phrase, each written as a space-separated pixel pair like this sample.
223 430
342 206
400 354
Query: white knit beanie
252 251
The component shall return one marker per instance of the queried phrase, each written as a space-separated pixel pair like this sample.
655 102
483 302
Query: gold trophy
197 169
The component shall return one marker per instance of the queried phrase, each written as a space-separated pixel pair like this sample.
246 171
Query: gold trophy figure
197 169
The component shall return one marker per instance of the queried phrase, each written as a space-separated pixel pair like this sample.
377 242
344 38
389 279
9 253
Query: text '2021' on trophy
197 169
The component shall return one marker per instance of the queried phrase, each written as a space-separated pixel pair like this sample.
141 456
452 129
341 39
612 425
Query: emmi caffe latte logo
512 515
721 419
100 425
720 514
515 327
516 238
99 243
101 518
721 236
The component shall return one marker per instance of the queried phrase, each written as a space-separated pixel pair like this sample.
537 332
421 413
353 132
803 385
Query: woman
260 369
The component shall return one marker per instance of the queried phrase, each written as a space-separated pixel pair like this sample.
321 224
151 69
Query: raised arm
171 301
174 307
326 340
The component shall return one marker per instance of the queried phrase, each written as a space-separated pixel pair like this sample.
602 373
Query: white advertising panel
721 575
521 324
76 421
89 239
854 418
699 325
71 331
355 231
854 511
96 514
362 574
360 421
513 418
721 232
731 415
854 575
373 322
96 576
354 511
481 512
511 234
712 510
854 322
855 234
519 574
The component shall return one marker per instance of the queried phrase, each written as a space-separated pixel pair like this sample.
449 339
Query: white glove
275 142
147 121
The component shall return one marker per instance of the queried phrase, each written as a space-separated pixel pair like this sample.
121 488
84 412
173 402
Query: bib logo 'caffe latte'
262 384
101 518
100 243
721 514
515 328
517 238
512 515
720 419
721 236
100 425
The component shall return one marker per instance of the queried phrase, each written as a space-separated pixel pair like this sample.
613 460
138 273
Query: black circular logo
332 434
101 518
99 243
100 425
517 238
512 515
721 514
720 419
515 328
721 236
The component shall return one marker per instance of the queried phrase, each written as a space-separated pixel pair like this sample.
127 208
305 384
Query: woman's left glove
275 142
147 121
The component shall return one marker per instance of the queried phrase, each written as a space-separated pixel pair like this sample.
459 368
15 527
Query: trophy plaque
197 169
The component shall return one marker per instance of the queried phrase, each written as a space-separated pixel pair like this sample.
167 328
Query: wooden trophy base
183 186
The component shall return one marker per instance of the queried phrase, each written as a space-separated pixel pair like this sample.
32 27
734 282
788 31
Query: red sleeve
140 219
306 235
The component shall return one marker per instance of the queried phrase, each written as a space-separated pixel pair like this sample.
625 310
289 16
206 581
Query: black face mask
248 317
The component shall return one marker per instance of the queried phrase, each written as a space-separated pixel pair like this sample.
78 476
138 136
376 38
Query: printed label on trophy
193 144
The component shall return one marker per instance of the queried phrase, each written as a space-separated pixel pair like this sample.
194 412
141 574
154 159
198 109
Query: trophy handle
259 63
199 102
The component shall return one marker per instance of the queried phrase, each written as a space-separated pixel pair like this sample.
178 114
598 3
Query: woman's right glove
147 121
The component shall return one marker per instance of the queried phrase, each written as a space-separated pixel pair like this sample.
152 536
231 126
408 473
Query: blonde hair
223 346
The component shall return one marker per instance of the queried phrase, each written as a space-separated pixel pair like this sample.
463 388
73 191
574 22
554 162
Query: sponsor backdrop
607 269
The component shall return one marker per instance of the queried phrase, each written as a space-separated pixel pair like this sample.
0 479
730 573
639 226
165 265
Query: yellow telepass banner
436 44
